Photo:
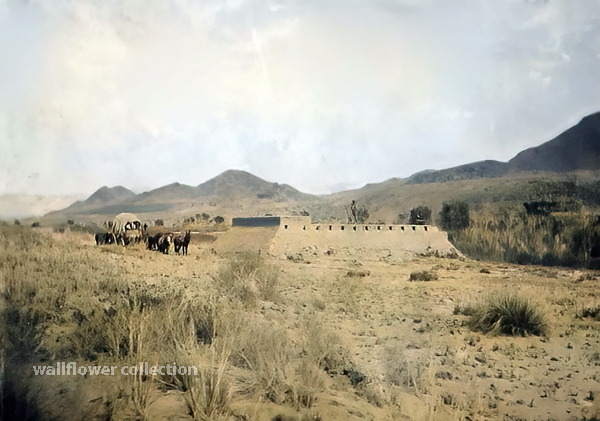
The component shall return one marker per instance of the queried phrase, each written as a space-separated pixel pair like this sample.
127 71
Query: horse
164 242
104 238
181 242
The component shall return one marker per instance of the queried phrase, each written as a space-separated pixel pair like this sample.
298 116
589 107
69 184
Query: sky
324 95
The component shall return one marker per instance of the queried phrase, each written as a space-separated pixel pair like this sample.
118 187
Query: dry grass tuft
262 351
507 314
423 276
208 393
401 370
591 312
358 273
248 277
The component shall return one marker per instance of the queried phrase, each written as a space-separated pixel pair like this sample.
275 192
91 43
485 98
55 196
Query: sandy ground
406 333
458 372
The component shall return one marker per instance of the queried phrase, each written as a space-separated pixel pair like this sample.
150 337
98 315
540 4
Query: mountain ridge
577 148
109 194
236 192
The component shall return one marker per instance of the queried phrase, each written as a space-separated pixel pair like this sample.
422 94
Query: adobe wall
246 238
296 233
398 239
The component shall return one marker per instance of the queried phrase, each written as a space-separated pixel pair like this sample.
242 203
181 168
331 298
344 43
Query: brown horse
181 242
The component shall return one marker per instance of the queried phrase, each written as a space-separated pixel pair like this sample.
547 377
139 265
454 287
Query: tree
357 214
219 219
159 222
421 215
454 216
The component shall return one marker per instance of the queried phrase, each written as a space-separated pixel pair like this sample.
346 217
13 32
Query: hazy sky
323 95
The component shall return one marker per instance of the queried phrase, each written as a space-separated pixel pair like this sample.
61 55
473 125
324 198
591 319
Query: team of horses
126 228
124 238
160 242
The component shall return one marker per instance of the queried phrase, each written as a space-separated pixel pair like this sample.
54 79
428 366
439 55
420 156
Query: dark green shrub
421 215
454 216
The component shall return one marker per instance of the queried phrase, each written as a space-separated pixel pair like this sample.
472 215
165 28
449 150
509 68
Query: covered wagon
127 228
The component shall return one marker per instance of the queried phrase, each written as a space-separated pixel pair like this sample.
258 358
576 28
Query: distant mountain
104 196
578 148
170 192
481 169
108 195
230 192
235 183
236 193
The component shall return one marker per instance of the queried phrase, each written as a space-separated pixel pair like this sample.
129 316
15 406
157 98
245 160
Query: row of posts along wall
295 234
358 227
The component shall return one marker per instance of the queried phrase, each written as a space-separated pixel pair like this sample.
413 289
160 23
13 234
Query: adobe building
282 236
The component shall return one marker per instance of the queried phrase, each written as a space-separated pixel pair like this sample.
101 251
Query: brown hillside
235 184
481 169
107 195
576 149
174 191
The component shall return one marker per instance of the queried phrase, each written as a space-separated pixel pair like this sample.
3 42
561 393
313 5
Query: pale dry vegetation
506 233
247 277
61 301
277 340
423 276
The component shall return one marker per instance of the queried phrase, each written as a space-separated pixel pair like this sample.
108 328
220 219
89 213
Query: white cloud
313 94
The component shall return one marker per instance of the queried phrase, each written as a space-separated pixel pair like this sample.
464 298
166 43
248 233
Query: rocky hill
578 148
481 169
170 192
237 184
232 193
109 195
